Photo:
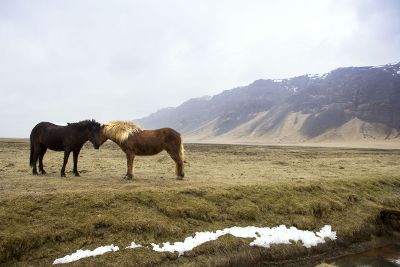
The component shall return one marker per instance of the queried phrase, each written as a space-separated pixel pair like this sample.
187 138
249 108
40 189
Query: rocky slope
346 104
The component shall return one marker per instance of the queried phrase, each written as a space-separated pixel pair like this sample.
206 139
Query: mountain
346 104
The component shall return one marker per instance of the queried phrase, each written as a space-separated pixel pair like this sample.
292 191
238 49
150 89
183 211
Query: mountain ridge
306 108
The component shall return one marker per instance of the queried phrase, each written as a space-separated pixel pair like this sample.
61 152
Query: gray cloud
71 60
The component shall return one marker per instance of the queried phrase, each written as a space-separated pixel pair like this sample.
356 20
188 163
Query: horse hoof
77 174
35 173
179 178
43 172
63 175
127 177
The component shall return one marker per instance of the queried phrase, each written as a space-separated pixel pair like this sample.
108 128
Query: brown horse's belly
147 149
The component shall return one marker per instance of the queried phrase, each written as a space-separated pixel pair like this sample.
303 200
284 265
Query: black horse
62 138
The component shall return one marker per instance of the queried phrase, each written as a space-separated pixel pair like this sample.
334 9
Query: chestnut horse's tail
181 154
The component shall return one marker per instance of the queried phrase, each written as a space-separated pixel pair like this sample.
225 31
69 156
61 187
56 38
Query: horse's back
164 134
40 127
150 142
48 134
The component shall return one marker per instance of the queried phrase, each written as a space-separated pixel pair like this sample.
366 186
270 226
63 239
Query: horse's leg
179 163
179 169
36 149
76 154
66 156
43 150
129 162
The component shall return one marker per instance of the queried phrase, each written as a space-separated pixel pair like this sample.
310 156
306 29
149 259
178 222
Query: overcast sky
66 60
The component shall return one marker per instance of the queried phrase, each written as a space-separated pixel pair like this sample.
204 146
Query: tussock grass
47 217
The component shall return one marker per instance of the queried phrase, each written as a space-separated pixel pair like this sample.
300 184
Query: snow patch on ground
264 237
80 254
134 245
397 262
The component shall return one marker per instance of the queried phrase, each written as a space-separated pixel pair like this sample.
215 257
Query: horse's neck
114 139
83 134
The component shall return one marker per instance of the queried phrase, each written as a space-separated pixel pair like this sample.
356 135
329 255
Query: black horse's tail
31 157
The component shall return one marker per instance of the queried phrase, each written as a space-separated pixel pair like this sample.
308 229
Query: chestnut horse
68 138
135 141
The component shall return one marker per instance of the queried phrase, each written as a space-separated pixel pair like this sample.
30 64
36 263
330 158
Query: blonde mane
120 131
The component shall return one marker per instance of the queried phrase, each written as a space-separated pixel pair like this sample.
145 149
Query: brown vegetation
46 217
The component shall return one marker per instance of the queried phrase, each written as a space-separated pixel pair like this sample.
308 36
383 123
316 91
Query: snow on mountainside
346 104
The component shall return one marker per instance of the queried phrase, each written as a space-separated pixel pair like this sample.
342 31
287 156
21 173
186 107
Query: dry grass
46 217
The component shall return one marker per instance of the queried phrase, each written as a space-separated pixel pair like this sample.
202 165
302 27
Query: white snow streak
317 76
80 254
134 245
263 237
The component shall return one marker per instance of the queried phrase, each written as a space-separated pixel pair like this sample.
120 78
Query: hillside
354 104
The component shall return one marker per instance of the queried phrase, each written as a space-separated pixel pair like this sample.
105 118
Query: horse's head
94 134
102 136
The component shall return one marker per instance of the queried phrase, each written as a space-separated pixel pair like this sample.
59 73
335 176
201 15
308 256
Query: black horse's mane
84 124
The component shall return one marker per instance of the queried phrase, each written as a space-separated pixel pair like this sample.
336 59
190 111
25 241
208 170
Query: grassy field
47 217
